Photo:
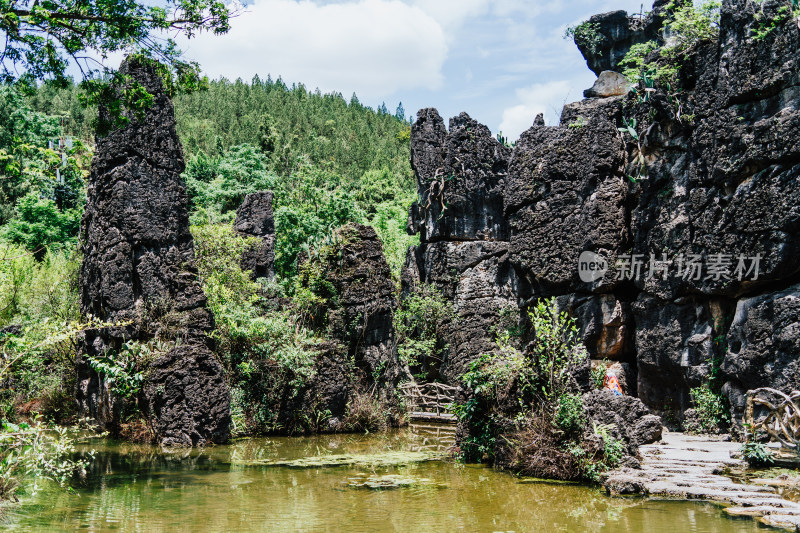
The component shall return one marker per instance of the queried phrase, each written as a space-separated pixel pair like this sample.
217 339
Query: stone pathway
689 467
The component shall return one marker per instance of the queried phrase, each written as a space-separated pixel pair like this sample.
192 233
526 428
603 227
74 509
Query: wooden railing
429 401
776 414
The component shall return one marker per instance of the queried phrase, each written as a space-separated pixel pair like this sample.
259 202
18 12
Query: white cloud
451 14
547 98
371 47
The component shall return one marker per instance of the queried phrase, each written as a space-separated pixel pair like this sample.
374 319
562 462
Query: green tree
44 39
41 224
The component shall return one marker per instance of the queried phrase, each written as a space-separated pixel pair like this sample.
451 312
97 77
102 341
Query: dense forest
328 161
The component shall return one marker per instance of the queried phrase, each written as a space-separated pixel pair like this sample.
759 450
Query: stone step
782 521
762 510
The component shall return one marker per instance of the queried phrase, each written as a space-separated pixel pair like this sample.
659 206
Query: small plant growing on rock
757 454
587 35
579 123
765 25
598 376
712 409
569 414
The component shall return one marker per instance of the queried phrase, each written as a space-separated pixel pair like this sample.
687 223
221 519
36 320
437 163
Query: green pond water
232 488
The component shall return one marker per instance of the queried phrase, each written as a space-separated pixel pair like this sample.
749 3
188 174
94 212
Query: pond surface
141 488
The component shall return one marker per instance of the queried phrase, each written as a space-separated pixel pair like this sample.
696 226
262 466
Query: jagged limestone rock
138 270
461 175
254 218
566 194
763 346
357 314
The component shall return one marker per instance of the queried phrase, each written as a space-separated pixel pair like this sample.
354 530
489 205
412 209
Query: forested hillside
328 161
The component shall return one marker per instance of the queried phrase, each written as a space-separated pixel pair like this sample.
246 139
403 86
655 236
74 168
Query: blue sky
501 61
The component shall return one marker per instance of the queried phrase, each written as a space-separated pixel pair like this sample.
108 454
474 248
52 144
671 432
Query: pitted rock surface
254 218
460 176
138 268
565 195
360 316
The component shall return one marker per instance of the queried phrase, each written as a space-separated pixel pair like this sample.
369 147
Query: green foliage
765 24
569 415
314 292
539 379
629 128
389 222
33 453
28 166
635 65
757 454
586 35
598 375
504 140
307 205
690 24
317 210
217 185
555 351
268 356
41 299
544 370
419 325
545 433
126 370
293 127
613 448
579 123
712 408
328 162
647 65
40 224
46 40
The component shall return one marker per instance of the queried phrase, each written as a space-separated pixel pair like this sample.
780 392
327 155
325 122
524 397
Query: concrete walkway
689 467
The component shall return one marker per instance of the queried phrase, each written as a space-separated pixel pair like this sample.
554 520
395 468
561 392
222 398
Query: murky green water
139 488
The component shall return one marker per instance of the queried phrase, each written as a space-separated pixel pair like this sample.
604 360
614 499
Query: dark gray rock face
187 397
254 218
674 344
359 318
714 180
764 345
478 279
633 422
138 268
565 195
329 390
366 303
461 177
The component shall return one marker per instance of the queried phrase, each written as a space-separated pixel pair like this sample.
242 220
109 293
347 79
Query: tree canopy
46 40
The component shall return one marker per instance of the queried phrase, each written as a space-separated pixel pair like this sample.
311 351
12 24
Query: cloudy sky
502 61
